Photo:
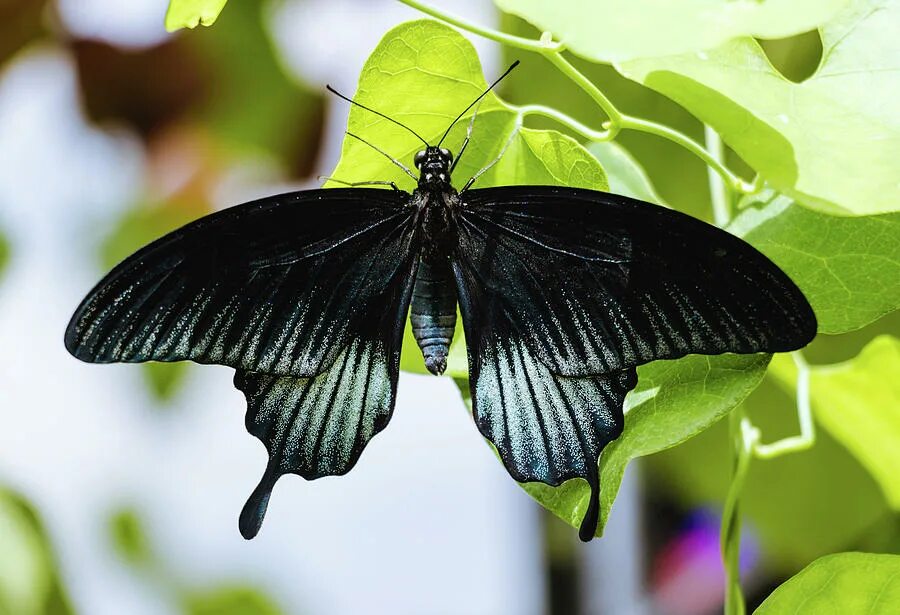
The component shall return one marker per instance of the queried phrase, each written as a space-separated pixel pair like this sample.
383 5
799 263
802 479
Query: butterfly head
434 166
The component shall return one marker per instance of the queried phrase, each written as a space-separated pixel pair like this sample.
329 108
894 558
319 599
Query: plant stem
718 191
743 436
501 37
552 50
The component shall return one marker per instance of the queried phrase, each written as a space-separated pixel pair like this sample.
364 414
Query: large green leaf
858 402
192 13
424 74
618 30
832 141
674 401
848 268
842 583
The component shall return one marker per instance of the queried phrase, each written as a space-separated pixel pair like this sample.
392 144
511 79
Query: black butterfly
562 291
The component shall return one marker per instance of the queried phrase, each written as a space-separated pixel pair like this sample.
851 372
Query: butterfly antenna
370 110
385 154
475 102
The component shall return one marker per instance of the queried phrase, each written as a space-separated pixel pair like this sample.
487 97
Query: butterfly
562 292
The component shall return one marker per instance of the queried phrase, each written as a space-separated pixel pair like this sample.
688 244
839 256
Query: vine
616 120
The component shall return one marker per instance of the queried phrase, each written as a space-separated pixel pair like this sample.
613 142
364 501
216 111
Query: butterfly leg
355 184
469 183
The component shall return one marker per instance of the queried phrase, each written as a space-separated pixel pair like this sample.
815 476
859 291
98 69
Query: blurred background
120 486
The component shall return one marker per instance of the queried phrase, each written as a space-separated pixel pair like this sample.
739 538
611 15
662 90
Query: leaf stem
570 122
807 437
617 121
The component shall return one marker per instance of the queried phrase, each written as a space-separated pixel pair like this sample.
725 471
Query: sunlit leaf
424 74
831 142
618 30
674 401
192 13
840 583
858 402
848 268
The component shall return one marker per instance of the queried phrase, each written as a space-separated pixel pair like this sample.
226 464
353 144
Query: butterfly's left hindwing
318 426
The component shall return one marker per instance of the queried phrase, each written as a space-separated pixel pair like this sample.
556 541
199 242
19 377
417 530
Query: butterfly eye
446 154
420 156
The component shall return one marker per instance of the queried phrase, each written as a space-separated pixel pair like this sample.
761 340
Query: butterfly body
433 307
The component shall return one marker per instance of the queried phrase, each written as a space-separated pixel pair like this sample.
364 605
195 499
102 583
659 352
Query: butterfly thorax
433 308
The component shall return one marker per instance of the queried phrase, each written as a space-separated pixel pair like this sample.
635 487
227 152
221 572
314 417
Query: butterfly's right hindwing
563 292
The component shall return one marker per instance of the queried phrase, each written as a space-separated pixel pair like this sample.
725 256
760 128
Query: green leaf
624 173
29 579
192 13
840 583
285 116
165 379
674 401
831 142
847 267
424 74
229 600
857 402
619 30
130 539
4 253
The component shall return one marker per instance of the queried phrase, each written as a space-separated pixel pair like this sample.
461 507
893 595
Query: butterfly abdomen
433 311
